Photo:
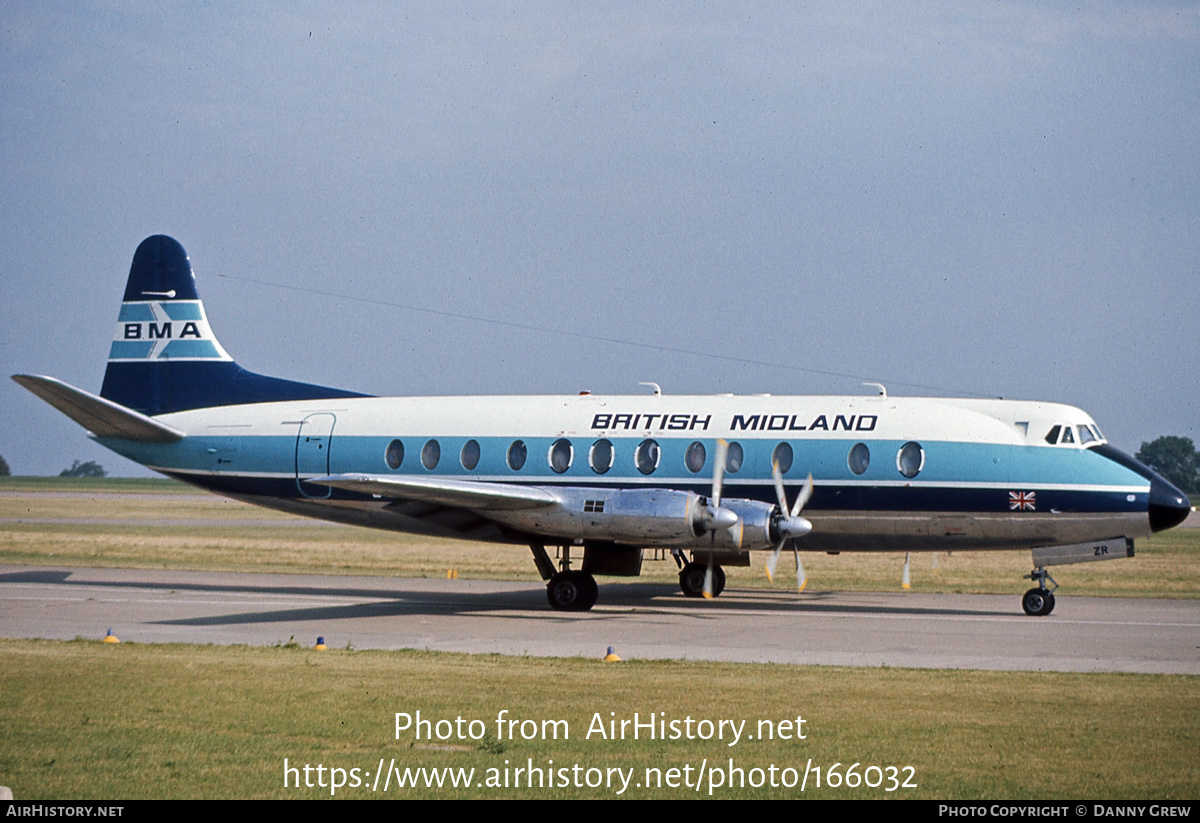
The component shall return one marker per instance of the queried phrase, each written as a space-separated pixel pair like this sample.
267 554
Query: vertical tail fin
165 357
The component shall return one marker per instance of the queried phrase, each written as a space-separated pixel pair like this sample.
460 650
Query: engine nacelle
753 529
649 518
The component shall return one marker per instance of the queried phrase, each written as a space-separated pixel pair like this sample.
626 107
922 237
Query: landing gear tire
572 591
691 580
1038 602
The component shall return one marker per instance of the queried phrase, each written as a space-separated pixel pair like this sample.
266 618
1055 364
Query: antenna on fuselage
657 388
880 386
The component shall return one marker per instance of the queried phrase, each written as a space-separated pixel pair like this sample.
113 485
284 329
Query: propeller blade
805 494
801 576
905 579
708 584
777 476
773 561
719 472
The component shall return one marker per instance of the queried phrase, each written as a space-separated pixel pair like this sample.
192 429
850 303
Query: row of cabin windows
910 459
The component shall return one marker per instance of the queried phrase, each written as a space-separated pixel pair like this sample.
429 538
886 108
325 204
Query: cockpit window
1063 434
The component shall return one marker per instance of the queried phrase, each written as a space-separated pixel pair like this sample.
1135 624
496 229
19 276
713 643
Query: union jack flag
1022 501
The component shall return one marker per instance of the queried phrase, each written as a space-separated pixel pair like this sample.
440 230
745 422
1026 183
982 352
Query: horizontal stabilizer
464 494
101 417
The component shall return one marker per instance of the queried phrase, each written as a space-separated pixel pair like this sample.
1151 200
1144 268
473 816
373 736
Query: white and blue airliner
706 477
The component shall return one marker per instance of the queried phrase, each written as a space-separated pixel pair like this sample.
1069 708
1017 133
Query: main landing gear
568 590
572 591
1039 602
691 576
691 579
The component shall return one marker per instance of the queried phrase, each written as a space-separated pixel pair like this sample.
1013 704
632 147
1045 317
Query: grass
101 484
135 721
95 721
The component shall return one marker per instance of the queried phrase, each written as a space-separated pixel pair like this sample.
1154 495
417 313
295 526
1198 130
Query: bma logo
159 331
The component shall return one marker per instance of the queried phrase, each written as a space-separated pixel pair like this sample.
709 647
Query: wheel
691 579
1038 602
572 591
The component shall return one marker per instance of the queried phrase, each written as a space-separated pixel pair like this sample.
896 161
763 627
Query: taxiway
639 620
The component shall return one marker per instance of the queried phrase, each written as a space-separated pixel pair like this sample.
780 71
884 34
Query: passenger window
394 455
470 455
782 457
859 458
910 459
695 456
561 455
734 458
431 454
1052 435
516 455
600 457
646 456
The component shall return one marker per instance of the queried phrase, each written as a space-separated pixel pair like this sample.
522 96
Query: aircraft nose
1168 505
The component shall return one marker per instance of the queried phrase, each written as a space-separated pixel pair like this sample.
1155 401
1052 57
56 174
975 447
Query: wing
465 494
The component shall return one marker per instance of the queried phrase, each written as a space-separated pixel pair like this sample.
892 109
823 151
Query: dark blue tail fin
165 358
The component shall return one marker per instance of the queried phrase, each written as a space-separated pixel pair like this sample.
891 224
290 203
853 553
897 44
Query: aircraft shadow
617 602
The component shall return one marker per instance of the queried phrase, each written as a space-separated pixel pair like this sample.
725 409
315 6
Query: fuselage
889 472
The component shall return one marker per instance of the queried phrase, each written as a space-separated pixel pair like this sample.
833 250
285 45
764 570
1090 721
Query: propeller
790 525
713 516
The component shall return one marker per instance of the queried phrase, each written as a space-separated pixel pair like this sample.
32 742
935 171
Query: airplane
704 477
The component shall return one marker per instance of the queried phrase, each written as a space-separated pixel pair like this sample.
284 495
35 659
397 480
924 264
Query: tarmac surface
639 620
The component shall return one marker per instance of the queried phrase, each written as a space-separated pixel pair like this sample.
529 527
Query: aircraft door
312 452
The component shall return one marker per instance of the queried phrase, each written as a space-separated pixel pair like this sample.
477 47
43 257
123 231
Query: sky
993 199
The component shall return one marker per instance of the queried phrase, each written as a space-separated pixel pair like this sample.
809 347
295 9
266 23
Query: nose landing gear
1039 602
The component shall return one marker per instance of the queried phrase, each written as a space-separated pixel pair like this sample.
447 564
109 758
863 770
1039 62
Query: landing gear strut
691 579
568 590
1039 602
